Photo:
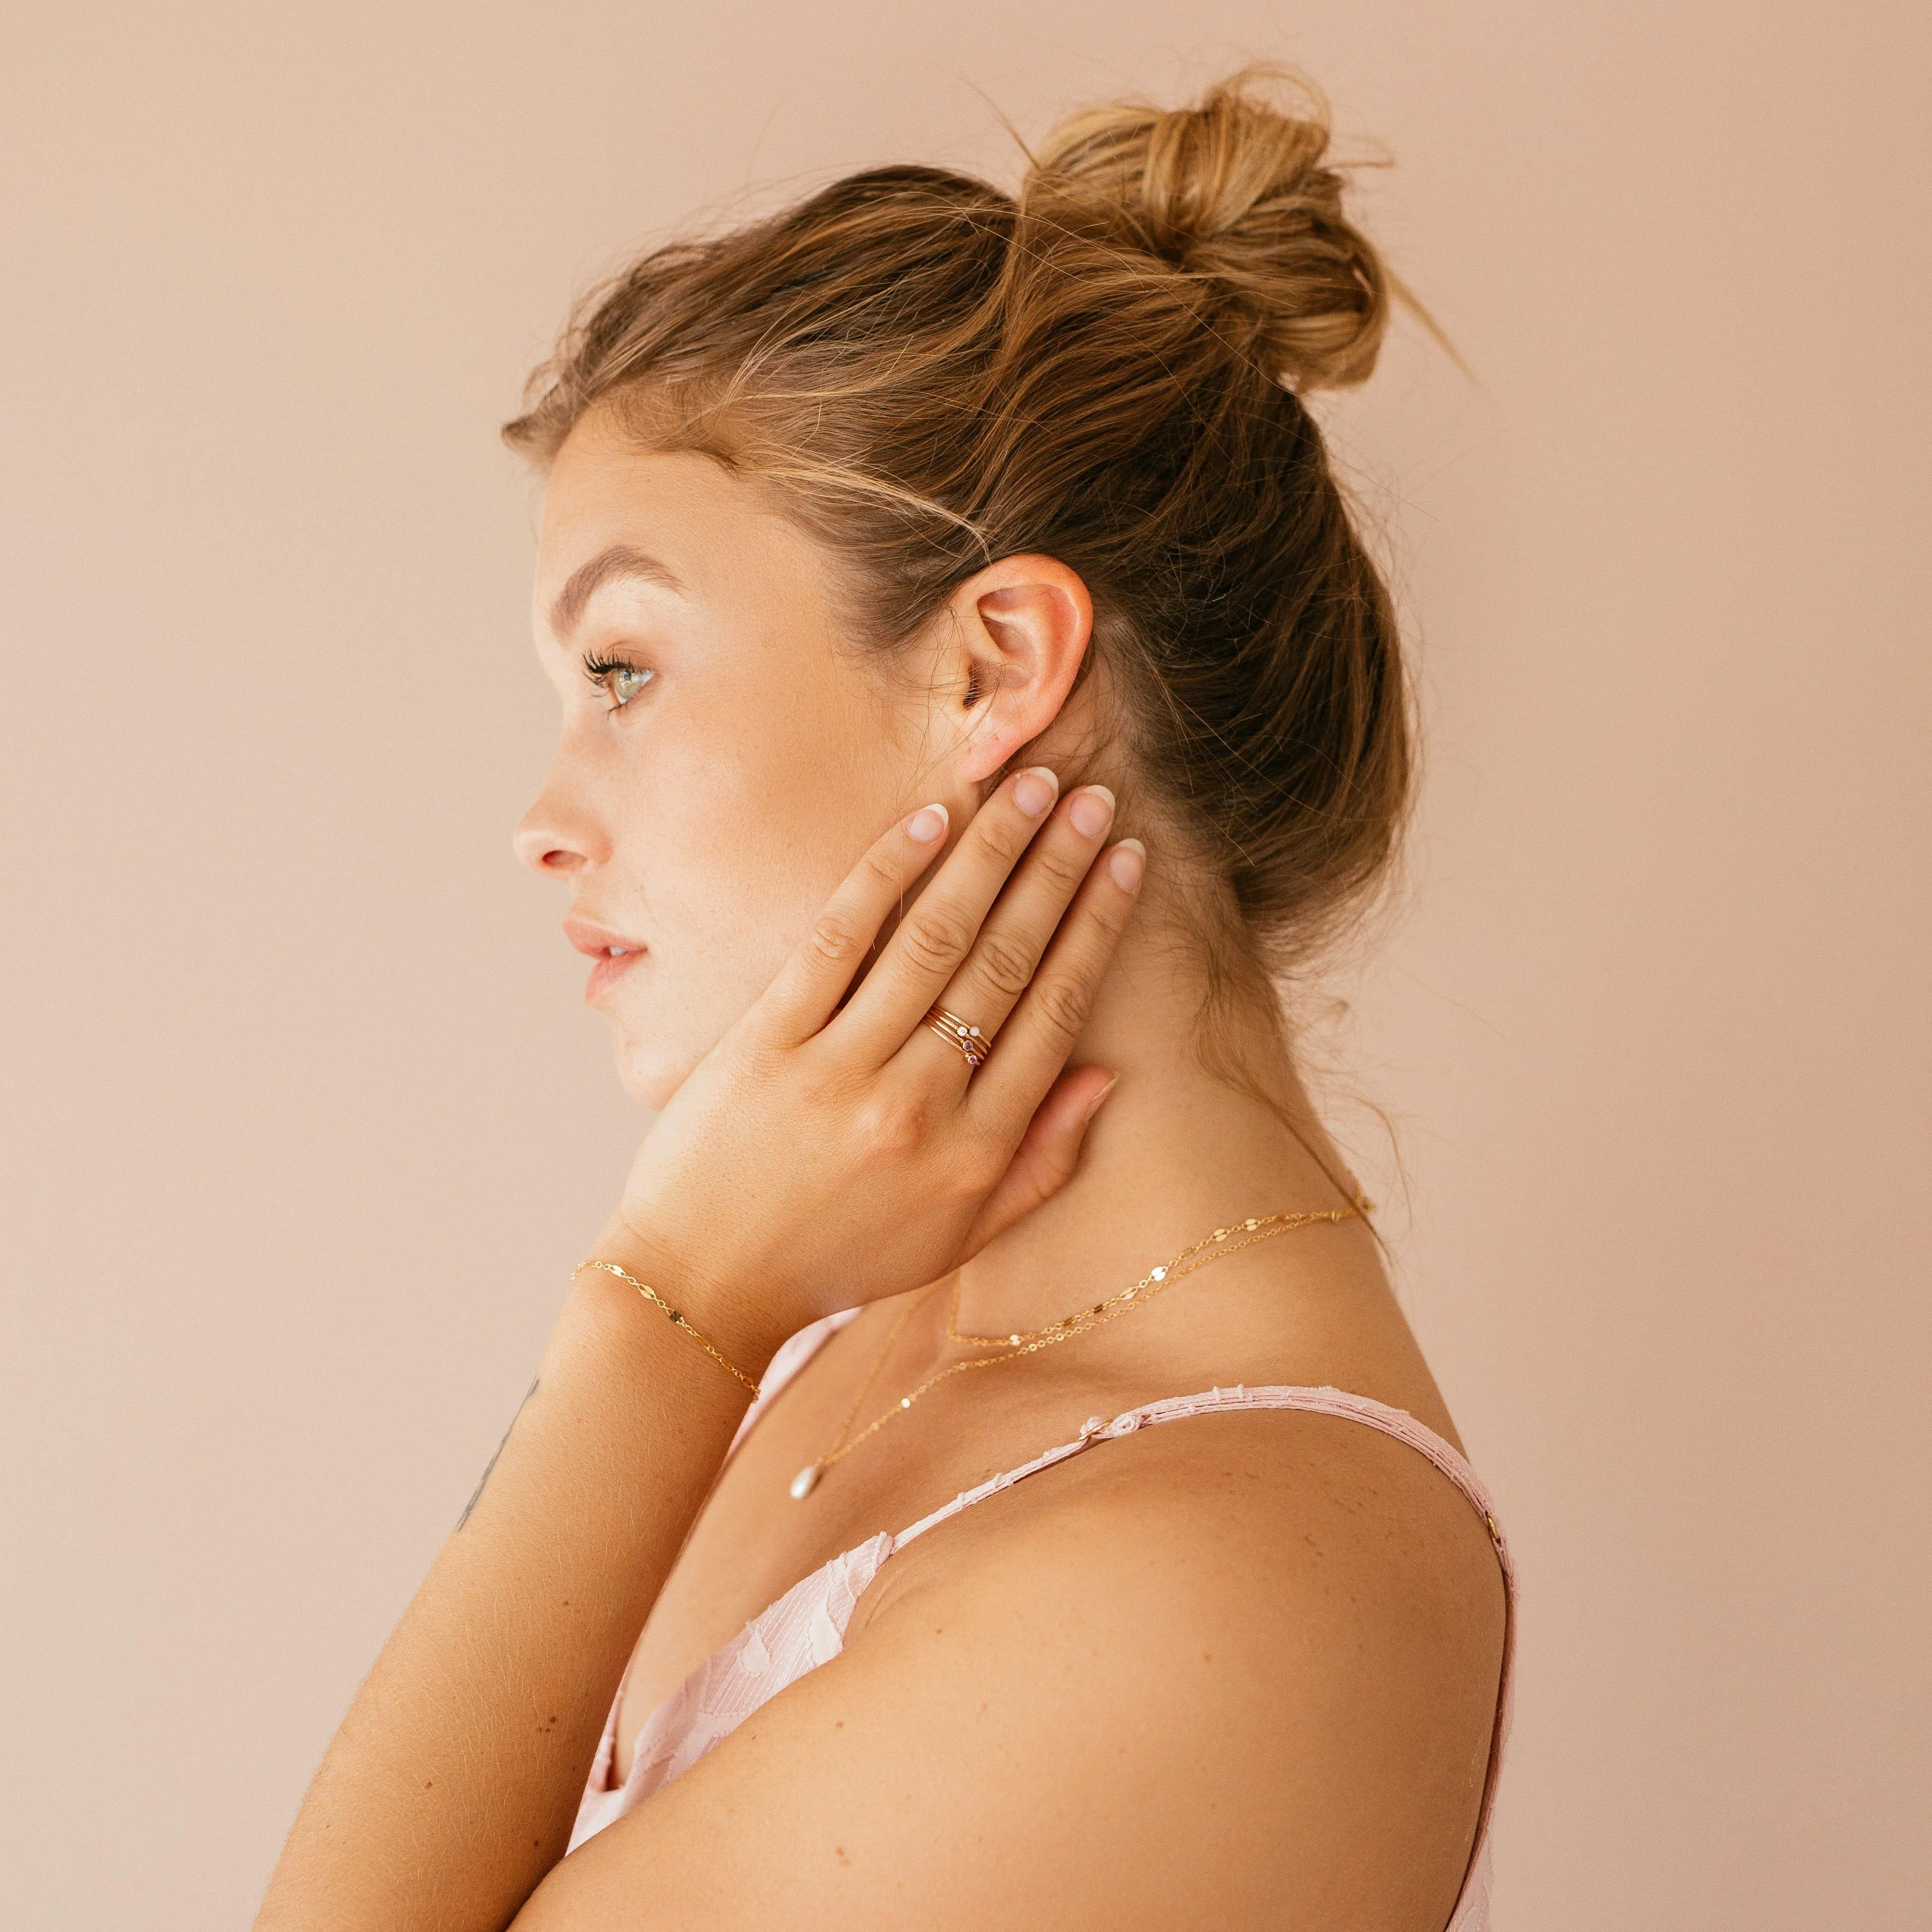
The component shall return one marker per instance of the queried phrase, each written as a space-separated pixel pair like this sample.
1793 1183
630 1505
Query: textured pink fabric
806 1626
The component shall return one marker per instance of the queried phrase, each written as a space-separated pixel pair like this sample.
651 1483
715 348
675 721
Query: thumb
1045 1160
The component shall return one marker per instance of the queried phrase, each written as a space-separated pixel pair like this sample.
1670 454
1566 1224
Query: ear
1019 629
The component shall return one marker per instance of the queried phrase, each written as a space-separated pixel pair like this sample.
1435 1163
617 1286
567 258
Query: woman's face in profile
722 763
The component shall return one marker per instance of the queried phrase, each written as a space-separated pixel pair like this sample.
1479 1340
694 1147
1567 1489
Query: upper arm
1150 1695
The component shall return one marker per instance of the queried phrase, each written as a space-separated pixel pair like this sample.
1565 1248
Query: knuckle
1006 835
1063 868
880 871
833 941
900 1125
1004 966
1064 1004
976 1172
933 938
1111 912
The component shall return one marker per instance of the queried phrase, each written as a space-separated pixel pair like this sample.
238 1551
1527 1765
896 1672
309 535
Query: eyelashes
619 679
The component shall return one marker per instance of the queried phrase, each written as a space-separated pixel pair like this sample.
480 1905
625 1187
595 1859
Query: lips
615 954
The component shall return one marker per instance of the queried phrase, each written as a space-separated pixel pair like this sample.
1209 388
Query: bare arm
451 1787
829 1150
1238 1672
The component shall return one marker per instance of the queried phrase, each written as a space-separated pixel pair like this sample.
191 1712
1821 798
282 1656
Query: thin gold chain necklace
1259 1228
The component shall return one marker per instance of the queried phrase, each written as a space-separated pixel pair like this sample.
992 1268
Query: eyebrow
608 566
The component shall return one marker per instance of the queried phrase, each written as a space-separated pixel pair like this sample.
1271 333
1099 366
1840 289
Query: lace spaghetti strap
1471 1912
805 1628
1325 1400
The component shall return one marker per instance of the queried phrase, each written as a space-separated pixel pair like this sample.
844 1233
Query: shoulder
1264 1499
1231 1573
1216 1673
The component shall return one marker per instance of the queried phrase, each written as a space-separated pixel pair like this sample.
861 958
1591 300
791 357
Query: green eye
619 680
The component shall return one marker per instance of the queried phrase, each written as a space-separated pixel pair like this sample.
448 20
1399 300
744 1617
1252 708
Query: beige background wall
306 1123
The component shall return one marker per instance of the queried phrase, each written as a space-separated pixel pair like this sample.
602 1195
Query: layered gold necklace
1012 1347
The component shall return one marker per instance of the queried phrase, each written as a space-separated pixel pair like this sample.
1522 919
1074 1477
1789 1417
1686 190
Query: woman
901 555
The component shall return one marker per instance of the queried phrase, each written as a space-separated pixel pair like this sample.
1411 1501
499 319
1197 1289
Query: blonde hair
1108 368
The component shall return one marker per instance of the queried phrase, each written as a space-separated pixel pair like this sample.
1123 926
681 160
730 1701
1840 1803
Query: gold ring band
960 1033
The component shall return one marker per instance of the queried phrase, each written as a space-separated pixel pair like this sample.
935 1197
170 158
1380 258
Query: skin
1240 1671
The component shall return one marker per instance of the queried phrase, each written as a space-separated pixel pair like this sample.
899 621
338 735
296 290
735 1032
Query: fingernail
1093 1105
1127 861
1093 811
927 823
1035 791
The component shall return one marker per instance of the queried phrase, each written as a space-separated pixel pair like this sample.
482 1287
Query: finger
1041 1031
1048 1154
1000 963
808 988
940 926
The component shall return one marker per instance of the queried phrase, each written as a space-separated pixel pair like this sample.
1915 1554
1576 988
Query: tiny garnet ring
955 1032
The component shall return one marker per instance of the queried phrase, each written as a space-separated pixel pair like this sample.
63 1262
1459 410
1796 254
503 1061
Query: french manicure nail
1093 811
1034 790
928 824
1092 1106
1127 861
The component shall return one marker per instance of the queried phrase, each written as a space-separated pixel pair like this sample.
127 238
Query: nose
557 835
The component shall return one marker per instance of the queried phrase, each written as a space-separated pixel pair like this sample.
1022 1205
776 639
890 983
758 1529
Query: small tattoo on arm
485 1477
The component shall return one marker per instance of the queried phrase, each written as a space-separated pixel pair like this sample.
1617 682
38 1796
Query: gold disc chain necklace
1013 1347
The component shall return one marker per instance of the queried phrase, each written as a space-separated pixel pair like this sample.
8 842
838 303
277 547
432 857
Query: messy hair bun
1106 367
1237 192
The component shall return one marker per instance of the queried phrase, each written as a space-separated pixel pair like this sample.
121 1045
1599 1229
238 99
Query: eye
619 679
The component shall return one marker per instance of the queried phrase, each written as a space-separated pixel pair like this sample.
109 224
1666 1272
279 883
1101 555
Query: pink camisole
806 1626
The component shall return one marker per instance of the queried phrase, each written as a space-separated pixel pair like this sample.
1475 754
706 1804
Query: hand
830 1150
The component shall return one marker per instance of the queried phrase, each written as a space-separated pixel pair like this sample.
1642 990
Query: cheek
744 827
711 957
774 804
733 873
758 850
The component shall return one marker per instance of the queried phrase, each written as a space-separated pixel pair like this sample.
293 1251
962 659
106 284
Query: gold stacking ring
955 1032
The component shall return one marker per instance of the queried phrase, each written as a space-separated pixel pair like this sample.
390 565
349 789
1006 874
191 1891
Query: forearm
451 1786
827 1138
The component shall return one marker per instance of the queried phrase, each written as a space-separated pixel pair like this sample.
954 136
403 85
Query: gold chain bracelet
675 1315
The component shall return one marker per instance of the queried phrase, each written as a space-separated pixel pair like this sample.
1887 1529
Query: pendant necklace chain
1013 1347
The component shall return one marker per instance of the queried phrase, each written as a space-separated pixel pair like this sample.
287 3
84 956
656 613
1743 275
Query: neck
1176 1152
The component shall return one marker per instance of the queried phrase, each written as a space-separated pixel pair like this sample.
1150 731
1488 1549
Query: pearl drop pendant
804 1482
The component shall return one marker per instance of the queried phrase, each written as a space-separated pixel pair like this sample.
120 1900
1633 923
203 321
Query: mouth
612 955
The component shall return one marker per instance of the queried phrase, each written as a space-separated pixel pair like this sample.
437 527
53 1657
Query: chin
645 1074
658 1038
